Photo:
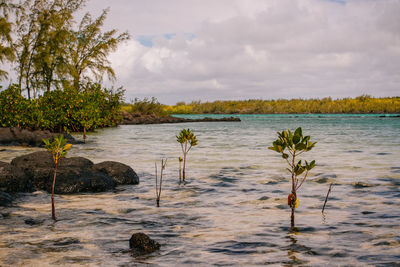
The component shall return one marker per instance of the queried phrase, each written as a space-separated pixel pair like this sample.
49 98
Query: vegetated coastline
364 104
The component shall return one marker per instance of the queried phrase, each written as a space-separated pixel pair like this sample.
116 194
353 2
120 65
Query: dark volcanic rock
142 244
74 180
129 118
73 174
18 136
5 199
13 179
31 221
121 173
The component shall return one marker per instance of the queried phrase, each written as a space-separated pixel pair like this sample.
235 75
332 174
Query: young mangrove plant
187 139
159 186
58 148
291 145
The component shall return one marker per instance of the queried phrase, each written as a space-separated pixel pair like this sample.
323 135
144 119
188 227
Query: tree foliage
89 47
52 52
60 111
146 107
6 50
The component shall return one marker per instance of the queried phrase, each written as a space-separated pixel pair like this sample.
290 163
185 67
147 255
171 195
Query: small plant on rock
58 148
187 139
292 145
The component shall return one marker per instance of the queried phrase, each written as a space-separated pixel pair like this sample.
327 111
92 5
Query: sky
184 50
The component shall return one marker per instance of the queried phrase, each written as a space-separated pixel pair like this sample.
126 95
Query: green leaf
299 170
285 156
300 146
312 164
298 132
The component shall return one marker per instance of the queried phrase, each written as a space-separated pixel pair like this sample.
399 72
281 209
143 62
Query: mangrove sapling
187 139
159 186
58 148
295 144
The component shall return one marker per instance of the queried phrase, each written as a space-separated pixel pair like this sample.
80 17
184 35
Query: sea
232 210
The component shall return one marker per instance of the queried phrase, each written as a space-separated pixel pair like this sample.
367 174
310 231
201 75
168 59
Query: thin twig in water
159 187
327 195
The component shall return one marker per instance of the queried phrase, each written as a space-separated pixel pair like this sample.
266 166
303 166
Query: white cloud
240 49
259 49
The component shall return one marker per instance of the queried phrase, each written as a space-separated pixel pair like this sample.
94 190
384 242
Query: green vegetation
59 66
361 104
295 144
146 107
58 148
187 139
61 111
6 51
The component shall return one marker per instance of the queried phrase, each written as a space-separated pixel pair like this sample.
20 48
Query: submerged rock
141 243
5 199
121 173
13 179
31 221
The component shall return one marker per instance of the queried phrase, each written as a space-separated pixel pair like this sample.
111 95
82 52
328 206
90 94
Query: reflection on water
233 210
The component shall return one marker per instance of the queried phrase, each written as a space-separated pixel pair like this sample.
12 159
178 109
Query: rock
5 199
143 244
13 179
74 174
74 180
18 136
31 221
129 118
121 173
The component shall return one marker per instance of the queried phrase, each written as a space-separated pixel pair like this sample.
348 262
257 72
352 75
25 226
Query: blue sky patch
147 40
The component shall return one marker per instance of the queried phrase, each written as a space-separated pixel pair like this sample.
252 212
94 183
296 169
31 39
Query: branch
302 181
326 199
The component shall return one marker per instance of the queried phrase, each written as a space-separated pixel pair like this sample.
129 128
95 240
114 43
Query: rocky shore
23 137
129 119
34 171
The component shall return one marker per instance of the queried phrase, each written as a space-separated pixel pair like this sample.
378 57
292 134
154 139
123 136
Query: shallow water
233 209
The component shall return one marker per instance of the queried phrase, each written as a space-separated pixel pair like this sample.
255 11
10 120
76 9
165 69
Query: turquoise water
233 210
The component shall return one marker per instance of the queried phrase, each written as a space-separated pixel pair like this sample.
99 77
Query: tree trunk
184 167
84 134
53 209
292 219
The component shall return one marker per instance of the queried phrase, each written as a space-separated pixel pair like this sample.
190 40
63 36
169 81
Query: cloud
240 49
